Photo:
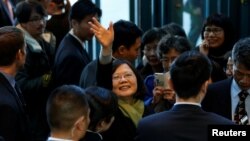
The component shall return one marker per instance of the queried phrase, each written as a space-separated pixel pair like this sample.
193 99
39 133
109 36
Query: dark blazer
70 60
14 122
122 129
218 98
181 123
88 75
91 136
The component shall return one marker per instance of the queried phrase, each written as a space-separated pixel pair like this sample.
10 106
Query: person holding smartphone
161 97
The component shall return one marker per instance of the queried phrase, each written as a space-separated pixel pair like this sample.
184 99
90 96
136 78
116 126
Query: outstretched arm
104 36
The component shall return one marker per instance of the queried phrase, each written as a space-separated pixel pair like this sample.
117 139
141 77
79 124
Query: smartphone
160 79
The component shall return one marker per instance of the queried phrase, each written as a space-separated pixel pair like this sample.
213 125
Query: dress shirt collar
79 40
10 78
57 139
188 103
235 89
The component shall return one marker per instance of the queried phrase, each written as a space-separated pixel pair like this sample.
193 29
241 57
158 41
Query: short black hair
103 105
83 8
168 42
188 72
24 10
125 33
65 105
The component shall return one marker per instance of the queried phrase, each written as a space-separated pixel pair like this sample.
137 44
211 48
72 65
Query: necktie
240 116
9 8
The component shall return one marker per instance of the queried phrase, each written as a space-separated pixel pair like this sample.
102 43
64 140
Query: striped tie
240 116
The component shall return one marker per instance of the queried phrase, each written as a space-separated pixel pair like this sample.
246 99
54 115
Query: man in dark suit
222 97
71 56
185 120
14 124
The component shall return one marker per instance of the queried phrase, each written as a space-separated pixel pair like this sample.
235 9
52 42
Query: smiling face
124 82
214 35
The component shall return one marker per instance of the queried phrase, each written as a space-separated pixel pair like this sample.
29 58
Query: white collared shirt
189 103
235 90
79 40
57 139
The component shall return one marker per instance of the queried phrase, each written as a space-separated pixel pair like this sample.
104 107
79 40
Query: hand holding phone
160 80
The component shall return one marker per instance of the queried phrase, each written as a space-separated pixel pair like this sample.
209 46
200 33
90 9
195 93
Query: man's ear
79 124
122 49
20 54
205 85
74 23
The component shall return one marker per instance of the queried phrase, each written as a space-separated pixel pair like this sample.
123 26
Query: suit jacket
70 60
122 129
96 74
14 122
88 75
218 98
182 122
91 136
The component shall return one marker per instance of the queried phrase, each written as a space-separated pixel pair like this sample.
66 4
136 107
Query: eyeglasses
37 20
215 31
118 77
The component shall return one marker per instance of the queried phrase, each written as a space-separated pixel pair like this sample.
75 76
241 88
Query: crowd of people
51 89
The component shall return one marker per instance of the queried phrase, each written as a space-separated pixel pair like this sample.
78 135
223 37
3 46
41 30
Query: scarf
133 111
35 46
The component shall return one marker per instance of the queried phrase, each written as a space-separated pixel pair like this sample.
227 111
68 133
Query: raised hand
104 36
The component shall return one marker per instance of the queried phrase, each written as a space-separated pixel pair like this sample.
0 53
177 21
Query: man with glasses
223 97
34 79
